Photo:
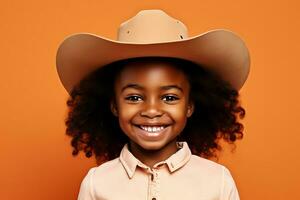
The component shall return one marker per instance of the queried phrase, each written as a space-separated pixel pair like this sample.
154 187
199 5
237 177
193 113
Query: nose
151 109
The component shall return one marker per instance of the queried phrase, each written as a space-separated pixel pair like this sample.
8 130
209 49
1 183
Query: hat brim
219 50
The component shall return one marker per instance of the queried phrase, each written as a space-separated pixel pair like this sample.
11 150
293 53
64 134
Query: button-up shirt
181 176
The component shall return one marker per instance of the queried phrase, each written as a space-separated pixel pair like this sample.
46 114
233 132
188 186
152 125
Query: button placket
154 184
150 187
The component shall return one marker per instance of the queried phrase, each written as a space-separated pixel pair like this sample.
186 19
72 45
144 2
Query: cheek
126 114
178 112
179 115
124 122
127 111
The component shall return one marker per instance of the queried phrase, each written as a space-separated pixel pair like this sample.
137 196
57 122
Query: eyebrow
139 87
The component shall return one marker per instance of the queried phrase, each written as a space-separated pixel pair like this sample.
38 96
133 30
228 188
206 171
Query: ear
113 108
190 109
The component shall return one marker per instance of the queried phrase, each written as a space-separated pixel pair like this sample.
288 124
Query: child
150 104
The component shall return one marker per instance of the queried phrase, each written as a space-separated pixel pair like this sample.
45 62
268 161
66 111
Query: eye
133 98
170 98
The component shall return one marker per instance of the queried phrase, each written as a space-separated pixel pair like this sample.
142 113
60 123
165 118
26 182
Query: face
152 104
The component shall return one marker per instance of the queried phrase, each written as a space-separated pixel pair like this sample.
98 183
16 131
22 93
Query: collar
174 162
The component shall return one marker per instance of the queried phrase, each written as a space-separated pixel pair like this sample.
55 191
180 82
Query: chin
151 146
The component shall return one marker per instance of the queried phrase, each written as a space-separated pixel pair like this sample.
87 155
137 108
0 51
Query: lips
151 131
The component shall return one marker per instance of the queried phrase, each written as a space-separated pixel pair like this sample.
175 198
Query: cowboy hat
154 33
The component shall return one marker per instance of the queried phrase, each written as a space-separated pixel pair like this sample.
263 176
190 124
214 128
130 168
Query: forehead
151 73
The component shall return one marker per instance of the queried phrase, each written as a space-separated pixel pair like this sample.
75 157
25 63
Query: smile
152 129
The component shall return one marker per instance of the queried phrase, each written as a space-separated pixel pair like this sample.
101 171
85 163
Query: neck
151 157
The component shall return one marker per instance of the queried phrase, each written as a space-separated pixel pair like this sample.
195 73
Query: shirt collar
174 162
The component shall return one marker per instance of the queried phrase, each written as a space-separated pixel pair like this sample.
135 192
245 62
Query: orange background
36 160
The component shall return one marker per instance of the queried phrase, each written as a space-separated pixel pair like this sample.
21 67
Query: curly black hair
94 129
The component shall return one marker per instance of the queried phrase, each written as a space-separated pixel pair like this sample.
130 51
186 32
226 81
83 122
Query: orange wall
36 160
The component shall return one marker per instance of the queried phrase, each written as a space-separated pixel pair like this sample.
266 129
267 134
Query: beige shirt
182 176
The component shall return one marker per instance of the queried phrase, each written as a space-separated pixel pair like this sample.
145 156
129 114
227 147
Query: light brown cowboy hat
154 33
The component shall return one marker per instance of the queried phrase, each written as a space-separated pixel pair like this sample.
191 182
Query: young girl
152 107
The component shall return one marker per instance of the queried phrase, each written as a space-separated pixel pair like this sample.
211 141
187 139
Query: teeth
152 128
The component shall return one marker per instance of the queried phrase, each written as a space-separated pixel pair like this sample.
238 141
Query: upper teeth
152 128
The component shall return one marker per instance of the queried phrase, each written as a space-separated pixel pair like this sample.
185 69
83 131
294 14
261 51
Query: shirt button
153 198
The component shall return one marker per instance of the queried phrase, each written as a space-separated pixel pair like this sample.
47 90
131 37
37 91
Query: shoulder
107 172
207 168
205 164
213 174
102 170
107 168
104 167
97 176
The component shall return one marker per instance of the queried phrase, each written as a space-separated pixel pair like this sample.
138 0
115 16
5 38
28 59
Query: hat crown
152 26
